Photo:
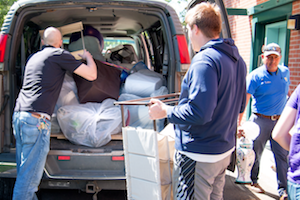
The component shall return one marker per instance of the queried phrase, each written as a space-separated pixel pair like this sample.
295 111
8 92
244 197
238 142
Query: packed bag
67 96
143 83
90 124
139 115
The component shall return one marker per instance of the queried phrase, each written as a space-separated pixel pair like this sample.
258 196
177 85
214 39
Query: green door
276 32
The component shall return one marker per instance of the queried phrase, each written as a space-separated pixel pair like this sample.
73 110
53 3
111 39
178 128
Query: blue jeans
32 146
293 190
266 127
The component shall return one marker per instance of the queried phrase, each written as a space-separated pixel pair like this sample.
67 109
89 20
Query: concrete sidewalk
267 180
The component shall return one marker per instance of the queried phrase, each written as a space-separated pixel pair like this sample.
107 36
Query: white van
156 38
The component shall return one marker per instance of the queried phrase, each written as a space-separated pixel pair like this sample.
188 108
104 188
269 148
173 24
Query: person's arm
240 132
89 70
248 96
289 93
281 130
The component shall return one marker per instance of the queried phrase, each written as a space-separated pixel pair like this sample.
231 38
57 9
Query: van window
112 42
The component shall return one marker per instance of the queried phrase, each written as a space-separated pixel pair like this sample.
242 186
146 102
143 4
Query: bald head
52 36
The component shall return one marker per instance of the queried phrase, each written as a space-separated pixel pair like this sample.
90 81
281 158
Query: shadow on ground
233 191
52 194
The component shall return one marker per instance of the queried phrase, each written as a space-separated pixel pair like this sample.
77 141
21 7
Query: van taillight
3 40
183 50
117 158
63 157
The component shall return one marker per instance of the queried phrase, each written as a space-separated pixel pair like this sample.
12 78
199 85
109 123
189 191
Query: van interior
132 38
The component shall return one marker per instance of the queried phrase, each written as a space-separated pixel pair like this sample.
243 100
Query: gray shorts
198 180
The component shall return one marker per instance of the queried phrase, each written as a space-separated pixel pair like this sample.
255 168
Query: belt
40 115
273 117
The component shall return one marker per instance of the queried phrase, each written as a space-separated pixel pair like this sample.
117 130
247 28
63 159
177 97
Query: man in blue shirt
213 93
269 86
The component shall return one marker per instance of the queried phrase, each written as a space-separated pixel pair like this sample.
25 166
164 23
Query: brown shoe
255 187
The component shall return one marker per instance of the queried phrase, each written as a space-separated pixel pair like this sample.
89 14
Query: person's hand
157 109
86 55
240 132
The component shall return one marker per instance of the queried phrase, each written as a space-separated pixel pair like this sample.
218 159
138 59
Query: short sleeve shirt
43 78
268 89
294 155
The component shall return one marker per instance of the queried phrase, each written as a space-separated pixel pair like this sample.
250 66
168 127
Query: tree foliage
4 7
181 4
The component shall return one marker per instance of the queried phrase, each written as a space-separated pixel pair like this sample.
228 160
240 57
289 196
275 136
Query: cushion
92 45
107 84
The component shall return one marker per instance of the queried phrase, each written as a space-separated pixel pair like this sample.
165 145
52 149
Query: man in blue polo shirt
268 85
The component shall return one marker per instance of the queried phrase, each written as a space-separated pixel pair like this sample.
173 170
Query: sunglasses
272 48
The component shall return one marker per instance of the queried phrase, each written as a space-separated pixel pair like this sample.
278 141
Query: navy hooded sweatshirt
213 93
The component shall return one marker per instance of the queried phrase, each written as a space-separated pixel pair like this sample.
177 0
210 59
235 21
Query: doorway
276 32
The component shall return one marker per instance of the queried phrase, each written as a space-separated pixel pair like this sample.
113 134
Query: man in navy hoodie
213 94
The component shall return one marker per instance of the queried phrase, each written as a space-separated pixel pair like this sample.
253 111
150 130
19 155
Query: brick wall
261 1
294 53
241 27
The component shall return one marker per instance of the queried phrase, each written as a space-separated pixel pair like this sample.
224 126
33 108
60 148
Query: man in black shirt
43 78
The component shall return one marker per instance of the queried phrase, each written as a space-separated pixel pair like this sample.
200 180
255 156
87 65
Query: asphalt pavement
232 191
267 180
